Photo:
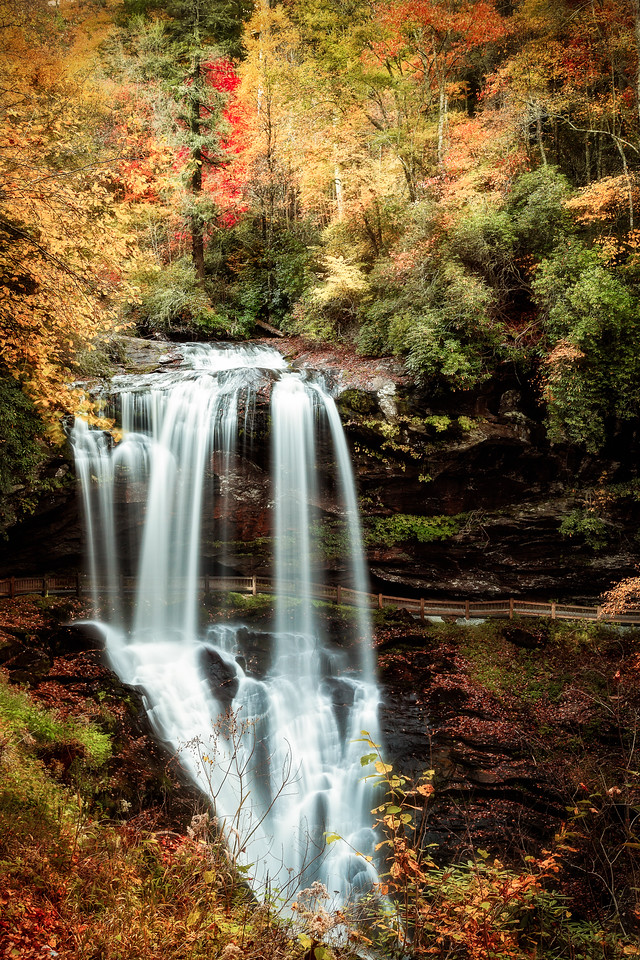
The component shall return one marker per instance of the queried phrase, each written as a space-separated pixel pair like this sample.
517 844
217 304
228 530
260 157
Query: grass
21 718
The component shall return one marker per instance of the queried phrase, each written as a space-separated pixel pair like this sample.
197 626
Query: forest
449 189
452 183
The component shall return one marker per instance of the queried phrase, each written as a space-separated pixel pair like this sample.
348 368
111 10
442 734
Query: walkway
419 607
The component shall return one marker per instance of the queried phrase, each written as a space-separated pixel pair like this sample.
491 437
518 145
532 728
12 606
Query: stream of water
274 745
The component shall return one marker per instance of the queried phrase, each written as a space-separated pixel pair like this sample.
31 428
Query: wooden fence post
254 585
45 587
553 610
466 609
339 593
379 601
422 608
510 608
598 612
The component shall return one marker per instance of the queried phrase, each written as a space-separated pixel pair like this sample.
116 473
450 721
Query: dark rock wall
482 458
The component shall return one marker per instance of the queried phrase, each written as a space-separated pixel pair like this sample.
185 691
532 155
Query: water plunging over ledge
274 748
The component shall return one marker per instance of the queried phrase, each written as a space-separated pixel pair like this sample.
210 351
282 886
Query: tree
592 323
64 254
178 58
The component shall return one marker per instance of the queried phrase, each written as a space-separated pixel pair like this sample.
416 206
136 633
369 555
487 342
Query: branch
16 233
86 166
614 136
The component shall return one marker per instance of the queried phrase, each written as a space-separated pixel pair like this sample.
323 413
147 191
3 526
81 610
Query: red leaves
432 32
30 926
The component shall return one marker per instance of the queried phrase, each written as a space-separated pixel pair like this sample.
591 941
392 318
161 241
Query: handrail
463 609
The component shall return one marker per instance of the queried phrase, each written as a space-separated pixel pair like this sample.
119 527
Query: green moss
21 716
403 527
358 400
243 604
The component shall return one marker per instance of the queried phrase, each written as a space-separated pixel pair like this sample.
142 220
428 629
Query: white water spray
276 750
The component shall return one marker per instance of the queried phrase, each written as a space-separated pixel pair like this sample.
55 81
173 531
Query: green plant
172 299
591 320
585 524
477 910
22 717
403 527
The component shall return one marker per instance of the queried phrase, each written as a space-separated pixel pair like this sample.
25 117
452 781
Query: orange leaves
564 352
601 201
30 927
623 596
432 36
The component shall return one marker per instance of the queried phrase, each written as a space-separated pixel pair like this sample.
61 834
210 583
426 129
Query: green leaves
592 322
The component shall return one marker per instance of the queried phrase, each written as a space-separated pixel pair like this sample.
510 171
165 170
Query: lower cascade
270 738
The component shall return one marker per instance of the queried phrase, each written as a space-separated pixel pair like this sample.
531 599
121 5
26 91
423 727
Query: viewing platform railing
418 606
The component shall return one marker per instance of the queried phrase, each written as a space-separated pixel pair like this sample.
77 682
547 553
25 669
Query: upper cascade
271 739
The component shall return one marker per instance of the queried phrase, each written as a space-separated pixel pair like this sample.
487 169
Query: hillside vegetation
451 182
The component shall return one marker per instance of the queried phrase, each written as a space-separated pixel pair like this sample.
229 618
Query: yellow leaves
58 247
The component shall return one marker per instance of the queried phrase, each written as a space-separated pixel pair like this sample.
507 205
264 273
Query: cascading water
273 747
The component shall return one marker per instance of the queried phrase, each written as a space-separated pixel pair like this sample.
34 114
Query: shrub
592 323
173 300
585 524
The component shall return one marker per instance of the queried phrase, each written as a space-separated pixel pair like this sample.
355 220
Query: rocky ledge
460 495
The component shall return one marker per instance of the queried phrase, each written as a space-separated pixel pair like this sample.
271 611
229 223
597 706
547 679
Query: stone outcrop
480 458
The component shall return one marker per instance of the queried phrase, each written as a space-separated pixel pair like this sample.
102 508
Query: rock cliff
460 495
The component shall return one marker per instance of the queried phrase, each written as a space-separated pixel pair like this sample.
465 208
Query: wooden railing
418 606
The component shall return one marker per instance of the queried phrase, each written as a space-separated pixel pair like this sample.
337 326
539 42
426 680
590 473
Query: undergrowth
74 884
79 886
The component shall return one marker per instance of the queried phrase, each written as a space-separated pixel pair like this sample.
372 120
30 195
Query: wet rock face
481 457
220 675
489 790
487 462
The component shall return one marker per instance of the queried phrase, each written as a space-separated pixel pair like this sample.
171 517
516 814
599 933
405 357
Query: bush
592 324
583 523
443 325
484 241
403 526
536 208
259 277
173 300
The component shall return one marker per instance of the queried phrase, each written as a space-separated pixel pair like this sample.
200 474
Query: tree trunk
635 8
337 180
197 227
587 158
627 175
443 110
543 155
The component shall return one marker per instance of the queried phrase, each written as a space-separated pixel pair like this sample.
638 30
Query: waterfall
271 739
